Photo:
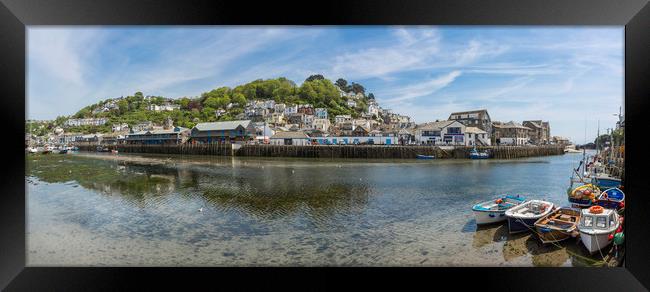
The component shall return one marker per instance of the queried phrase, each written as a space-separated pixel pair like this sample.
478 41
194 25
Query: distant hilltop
247 101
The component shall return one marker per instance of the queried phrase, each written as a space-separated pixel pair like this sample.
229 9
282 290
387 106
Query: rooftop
218 126
290 135
434 125
474 130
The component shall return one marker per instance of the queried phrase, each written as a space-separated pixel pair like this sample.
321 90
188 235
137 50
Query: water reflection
288 211
267 192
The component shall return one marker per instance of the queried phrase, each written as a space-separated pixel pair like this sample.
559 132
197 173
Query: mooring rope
600 262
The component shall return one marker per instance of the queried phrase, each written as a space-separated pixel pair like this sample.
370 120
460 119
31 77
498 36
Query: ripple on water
284 211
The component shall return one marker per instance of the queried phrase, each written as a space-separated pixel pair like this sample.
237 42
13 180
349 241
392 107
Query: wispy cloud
425 72
420 89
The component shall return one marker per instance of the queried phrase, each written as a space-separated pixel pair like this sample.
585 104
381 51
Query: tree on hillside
357 88
342 84
315 77
239 99
318 91
371 96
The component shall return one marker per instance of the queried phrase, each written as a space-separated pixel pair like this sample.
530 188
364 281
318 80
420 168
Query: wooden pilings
336 151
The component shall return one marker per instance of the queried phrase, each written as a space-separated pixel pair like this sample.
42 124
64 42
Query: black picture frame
15 15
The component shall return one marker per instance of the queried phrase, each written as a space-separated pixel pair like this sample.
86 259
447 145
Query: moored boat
604 181
494 210
475 154
522 218
559 225
612 198
583 196
597 227
425 156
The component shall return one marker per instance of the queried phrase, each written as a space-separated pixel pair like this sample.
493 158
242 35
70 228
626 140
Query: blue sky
571 76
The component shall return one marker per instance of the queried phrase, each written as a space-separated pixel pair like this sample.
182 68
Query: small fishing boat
475 154
523 217
597 227
612 198
604 181
494 210
32 150
558 225
425 156
583 196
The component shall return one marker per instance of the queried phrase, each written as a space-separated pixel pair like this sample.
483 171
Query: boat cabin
601 221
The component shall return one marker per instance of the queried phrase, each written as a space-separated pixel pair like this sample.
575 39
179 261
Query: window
612 222
588 221
453 130
601 222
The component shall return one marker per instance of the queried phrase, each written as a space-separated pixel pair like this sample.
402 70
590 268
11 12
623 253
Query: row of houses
535 132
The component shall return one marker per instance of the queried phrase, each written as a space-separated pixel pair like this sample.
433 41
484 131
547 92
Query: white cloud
420 89
411 50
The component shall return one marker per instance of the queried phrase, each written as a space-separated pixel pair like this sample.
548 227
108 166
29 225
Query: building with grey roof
223 132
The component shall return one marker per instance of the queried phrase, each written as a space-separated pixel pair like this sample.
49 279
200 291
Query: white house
279 107
164 107
321 124
475 136
263 132
290 109
440 133
342 118
351 103
290 138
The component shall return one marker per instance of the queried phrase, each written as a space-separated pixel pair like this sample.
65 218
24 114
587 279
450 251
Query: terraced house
540 133
223 132
511 133
476 118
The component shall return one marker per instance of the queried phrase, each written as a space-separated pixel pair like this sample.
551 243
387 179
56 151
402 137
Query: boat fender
499 201
610 237
619 238
595 209
621 205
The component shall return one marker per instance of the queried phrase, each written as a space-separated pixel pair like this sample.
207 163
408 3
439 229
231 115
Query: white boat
494 210
522 218
32 150
597 227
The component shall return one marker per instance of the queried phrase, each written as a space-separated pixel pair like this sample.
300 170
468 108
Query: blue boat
612 198
474 154
606 182
494 210
522 218
425 157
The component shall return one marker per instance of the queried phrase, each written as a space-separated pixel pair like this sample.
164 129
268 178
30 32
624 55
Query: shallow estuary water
133 210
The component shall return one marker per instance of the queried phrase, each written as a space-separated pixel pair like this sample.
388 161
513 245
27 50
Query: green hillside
316 90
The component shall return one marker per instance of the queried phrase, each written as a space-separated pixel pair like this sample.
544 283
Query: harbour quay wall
218 149
337 151
398 152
